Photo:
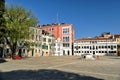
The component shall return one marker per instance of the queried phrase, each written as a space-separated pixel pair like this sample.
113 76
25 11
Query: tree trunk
13 48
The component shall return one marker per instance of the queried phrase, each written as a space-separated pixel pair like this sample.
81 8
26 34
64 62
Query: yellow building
118 47
42 42
47 43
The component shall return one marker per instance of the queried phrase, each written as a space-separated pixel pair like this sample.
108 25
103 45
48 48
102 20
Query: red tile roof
97 38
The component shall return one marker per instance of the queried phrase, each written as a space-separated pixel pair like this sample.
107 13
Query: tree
18 22
2 25
2 20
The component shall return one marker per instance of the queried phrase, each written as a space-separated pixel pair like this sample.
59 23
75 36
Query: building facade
117 38
95 46
42 42
58 47
63 32
47 43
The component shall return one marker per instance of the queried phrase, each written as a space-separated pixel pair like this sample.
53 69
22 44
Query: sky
90 18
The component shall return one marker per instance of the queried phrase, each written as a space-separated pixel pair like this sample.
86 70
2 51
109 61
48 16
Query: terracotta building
64 32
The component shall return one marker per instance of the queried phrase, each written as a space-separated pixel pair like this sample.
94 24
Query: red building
64 32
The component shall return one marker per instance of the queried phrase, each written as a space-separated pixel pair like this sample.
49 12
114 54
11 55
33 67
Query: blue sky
89 17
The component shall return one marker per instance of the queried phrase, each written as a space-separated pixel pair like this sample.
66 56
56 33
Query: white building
58 47
67 39
95 46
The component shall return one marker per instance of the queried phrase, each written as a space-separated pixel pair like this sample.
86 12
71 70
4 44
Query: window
90 47
96 47
36 50
37 38
84 47
102 47
52 29
65 30
39 50
105 46
44 39
111 47
36 31
76 47
114 46
58 49
93 47
66 44
108 46
105 51
58 44
66 39
87 47
49 40
39 32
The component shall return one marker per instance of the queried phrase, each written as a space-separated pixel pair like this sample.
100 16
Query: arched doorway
20 52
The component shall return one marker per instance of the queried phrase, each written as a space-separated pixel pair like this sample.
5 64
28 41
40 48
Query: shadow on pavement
44 74
2 60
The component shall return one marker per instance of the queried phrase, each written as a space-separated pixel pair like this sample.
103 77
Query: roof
54 25
117 35
96 38
99 38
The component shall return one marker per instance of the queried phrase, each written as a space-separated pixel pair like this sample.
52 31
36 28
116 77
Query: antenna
57 18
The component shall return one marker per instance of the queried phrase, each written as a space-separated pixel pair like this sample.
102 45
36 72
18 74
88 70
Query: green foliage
18 23
2 20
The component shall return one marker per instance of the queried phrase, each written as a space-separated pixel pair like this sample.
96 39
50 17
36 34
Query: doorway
93 52
1 52
63 52
68 52
32 52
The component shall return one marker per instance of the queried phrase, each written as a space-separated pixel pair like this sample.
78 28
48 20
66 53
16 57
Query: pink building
64 32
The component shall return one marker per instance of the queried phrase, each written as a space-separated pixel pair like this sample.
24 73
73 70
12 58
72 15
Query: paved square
106 68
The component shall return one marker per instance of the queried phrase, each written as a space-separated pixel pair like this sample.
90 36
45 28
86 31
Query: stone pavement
61 68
